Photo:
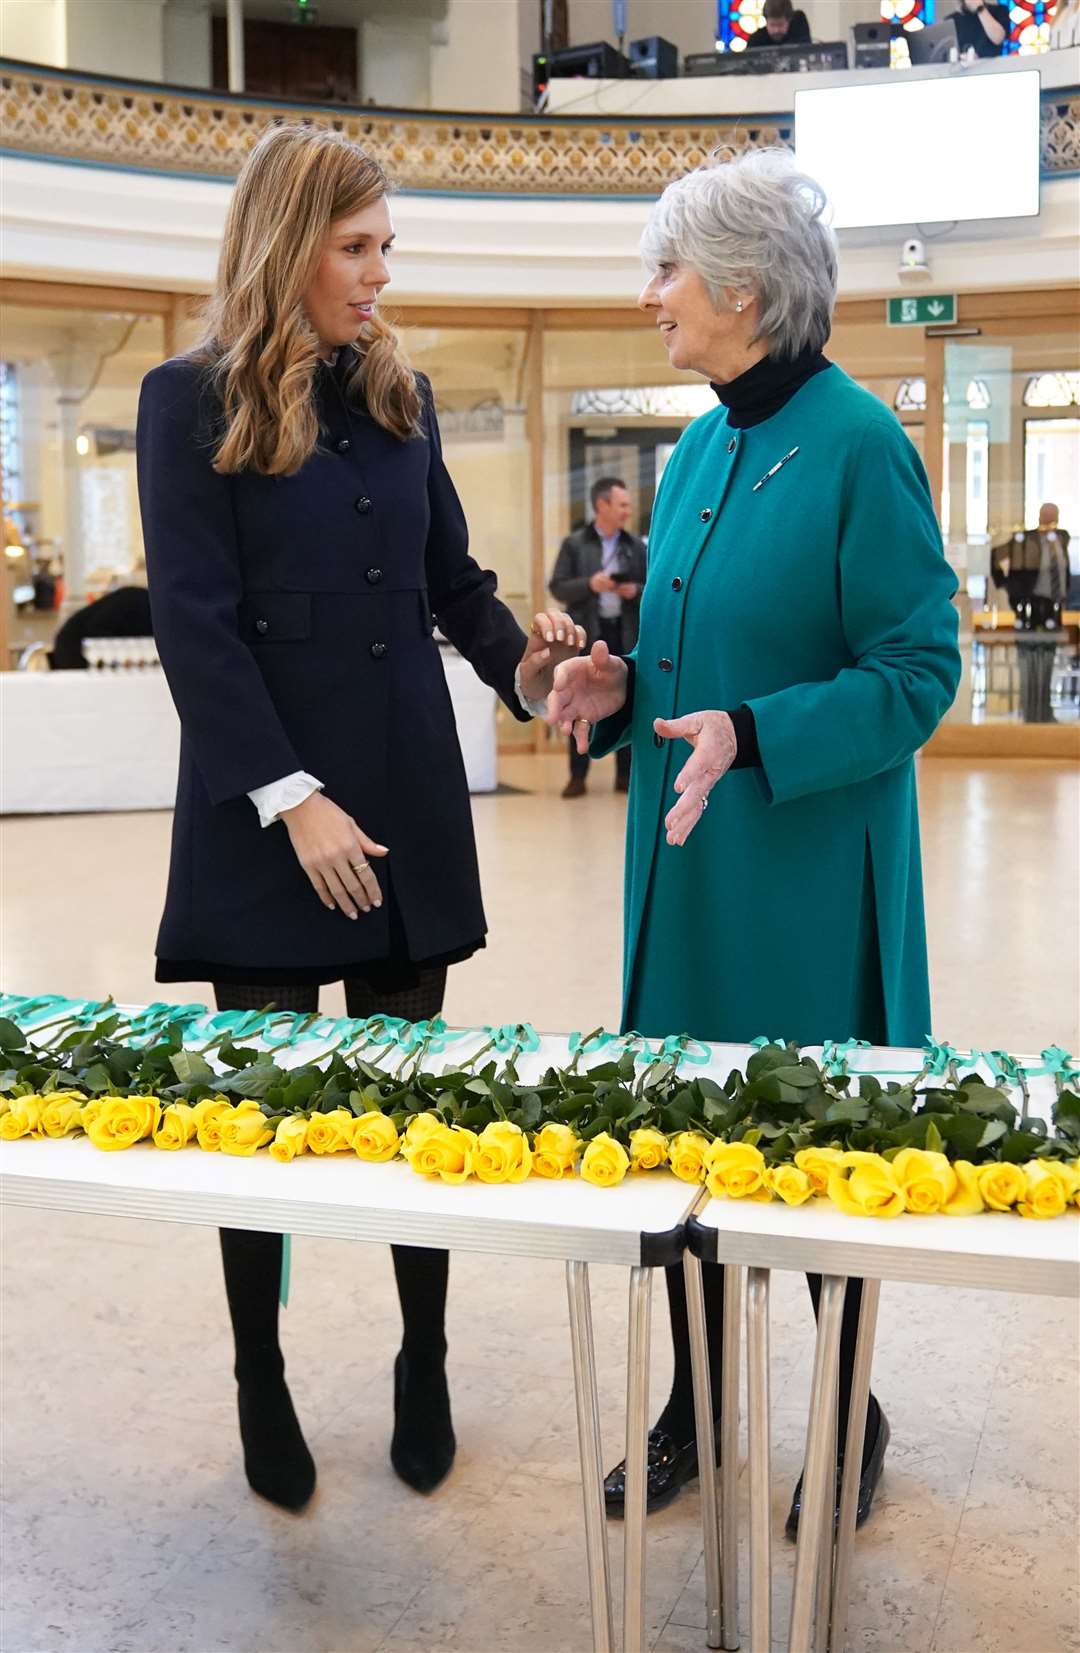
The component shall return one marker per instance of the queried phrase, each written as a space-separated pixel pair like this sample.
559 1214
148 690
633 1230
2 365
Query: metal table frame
640 1225
992 1251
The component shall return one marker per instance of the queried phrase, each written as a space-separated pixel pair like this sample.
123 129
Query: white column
234 15
73 366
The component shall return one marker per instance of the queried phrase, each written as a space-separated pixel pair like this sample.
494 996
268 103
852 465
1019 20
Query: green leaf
847 1111
934 1141
189 1067
11 1036
993 1131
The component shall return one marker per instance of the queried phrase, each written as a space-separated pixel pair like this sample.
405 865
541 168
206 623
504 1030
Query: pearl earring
739 305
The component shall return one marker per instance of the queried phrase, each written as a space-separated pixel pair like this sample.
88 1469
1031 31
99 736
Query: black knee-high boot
276 1458
423 1445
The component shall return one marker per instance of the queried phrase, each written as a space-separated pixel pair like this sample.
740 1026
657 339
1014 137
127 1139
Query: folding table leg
729 1454
637 1435
706 1445
592 1471
856 1429
823 1599
819 1477
758 1454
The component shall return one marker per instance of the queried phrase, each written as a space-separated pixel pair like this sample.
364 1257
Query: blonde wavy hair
258 344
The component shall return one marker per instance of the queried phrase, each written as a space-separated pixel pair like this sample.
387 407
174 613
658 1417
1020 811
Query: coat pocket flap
275 617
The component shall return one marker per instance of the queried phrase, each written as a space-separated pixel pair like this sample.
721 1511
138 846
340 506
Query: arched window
1052 390
1029 26
736 21
911 396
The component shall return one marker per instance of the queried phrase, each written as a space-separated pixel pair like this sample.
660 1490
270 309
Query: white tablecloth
90 741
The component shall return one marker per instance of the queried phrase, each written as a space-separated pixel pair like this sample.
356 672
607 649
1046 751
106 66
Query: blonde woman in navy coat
302 535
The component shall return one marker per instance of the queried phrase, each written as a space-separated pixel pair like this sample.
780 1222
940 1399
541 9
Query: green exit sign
923 311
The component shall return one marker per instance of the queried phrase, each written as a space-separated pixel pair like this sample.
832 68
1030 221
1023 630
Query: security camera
913 262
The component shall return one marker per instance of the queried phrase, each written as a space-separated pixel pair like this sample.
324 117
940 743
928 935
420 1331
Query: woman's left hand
712 735
553 638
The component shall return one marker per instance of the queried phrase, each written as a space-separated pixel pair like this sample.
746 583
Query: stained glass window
1029 26
907 15
911 394
736 21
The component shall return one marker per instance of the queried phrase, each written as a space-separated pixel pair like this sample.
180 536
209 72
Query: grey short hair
756 223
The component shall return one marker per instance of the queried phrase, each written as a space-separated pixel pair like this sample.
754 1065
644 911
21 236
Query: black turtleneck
751 399
765 388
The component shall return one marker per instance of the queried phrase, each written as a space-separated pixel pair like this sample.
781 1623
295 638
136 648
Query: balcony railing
151 128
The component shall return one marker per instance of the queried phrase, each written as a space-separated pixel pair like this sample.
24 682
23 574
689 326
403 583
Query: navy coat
294 619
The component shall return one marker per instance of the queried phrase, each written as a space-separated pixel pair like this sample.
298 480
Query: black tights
253 1261
678 1415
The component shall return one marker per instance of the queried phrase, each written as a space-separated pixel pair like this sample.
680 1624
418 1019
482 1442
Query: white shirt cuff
283 794
535 708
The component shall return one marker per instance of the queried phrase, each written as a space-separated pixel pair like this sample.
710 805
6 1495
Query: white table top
996 1251
344 1198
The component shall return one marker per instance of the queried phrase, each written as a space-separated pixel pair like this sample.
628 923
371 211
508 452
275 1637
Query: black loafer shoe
868 1482
669 1468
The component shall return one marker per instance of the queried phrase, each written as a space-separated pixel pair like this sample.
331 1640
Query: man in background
784 26
598 576
980 28
1033 566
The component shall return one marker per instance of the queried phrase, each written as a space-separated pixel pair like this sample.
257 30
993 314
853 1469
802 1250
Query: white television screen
923 151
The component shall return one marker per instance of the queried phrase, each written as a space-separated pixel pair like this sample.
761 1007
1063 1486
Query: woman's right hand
335 855
586 691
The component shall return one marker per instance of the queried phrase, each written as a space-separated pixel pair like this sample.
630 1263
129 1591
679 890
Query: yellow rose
1001 1185
926 1179
1066 1174
290 1138
819 1164
244 1129
330 1133
648 1149
793 1185
605 1162
1045 1194
686 1156
965 1199
375 1137
736 1171
446 1151
177 1127
864 1185
23 1118
419 1126
123 1120
208 1114
5 1105
61 1114
502 1153
555 1151
91 1110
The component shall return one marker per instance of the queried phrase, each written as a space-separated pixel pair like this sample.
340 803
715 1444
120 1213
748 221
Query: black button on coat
281 655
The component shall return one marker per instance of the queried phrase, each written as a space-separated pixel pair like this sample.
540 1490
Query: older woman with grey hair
798 635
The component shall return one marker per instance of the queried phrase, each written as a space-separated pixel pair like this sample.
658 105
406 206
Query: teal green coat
821 600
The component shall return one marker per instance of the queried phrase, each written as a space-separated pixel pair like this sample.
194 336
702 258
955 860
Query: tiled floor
128 1525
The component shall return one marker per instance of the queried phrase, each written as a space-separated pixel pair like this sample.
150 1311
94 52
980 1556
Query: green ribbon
513 1036
680 1047
286 1270
835 1053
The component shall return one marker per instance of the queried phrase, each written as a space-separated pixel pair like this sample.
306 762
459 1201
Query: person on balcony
302 537
772 881
782 25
